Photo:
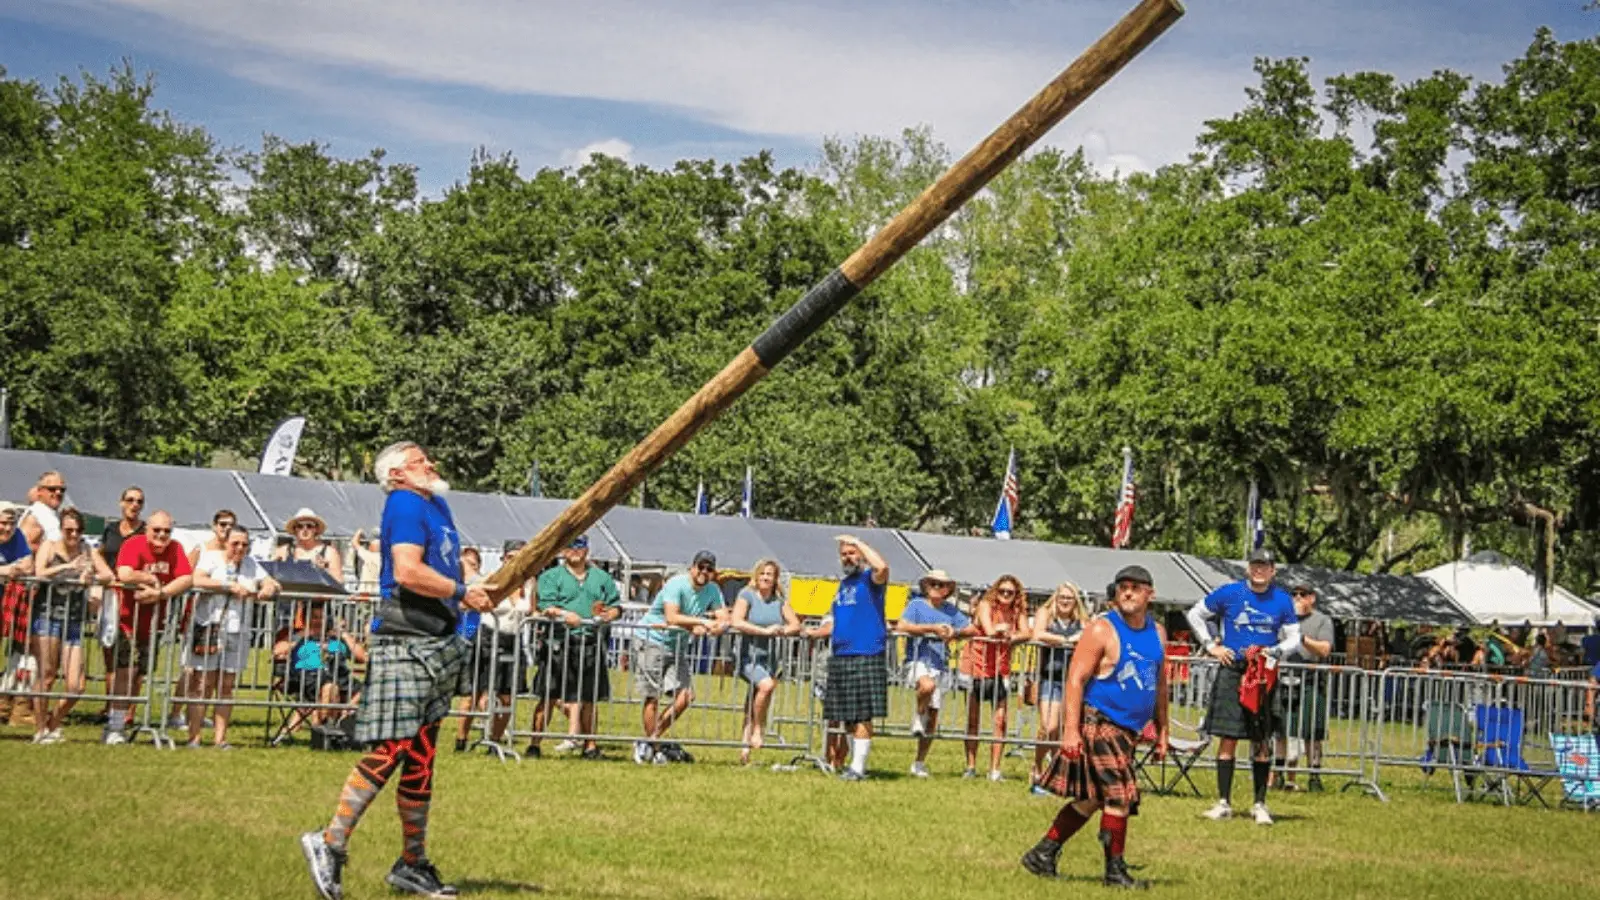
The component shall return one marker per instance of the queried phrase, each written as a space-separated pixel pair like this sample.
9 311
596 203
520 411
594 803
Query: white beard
438 487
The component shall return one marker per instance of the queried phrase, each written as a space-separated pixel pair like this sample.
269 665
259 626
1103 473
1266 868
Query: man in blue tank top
1116 685
1253 614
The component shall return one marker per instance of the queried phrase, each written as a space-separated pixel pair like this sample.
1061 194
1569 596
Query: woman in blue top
1057 625
760 613
319 663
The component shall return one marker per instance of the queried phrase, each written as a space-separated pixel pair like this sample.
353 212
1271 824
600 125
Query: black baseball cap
1261 555
704 556
1302 587
1135 574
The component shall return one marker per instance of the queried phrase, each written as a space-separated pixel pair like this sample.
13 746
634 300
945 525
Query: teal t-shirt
558 588
691 602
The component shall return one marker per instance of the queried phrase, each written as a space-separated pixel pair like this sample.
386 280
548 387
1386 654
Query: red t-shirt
172 564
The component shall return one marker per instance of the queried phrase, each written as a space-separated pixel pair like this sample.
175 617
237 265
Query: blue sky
659 80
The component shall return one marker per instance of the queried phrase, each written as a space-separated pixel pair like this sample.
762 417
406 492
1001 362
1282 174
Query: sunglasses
136 501
54 489
1005 592
160 530
706 567
223 524
306 526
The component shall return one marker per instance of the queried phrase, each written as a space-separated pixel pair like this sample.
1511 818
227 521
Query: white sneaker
53 736
1262 817
641 753
114 738
39 737
919 725
920 770
567 747
970 773
994 775
1223 810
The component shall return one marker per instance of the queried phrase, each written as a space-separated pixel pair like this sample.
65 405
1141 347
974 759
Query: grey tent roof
1352 595
532 514
658 537
808 549
1042 565
345 506
94 485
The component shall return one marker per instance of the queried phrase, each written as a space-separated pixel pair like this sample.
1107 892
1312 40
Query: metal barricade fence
1491 735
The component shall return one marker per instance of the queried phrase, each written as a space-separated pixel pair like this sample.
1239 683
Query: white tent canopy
1507 594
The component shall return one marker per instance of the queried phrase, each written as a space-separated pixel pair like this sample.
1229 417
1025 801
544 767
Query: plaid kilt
410 682
1105 773
858 689
1226 717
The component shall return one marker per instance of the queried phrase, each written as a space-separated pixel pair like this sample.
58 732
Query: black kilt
572 672
858 689
1226 717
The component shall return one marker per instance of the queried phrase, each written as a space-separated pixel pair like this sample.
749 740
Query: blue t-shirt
15 548
1250 619
309 656
931 652
426 522
689 600
1591 649
858 624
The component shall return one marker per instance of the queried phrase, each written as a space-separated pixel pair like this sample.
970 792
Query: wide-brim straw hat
306 515
935 576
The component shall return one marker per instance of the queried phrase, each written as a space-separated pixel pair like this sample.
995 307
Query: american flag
1005 512
1122 525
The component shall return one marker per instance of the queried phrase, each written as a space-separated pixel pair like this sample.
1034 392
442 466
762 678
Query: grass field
92 821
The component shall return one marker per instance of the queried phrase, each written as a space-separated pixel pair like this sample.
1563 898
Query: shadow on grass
1098 880
495 885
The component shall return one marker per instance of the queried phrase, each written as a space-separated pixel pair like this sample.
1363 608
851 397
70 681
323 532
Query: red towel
1260 676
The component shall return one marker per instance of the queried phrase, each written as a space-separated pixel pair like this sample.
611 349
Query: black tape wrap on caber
804 318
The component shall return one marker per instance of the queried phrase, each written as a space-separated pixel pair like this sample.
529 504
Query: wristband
459 592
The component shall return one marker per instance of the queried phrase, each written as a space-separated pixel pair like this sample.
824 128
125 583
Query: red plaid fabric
1105 772
14 611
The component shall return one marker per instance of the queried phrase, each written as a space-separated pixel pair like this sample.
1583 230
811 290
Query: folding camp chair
1500 733
1182 755
1578 761
1450 740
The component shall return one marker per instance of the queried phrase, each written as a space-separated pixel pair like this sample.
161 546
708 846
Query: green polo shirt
558 588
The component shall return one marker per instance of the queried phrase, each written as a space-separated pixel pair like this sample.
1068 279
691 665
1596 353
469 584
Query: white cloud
613 147
802 71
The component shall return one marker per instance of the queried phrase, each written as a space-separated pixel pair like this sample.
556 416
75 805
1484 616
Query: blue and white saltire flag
1005 512
747 507
277 457
1252 518
702 501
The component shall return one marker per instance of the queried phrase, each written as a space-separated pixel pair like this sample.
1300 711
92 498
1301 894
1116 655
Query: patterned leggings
414 757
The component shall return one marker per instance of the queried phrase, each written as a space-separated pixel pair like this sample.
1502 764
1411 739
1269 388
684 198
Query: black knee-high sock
1260 769
1225 779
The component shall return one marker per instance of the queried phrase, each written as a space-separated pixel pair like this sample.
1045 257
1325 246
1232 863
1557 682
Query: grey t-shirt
1317 627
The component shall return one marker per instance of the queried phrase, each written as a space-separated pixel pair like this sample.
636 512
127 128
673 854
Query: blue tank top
1128 695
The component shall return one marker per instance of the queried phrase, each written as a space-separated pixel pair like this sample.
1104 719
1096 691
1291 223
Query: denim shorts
56 628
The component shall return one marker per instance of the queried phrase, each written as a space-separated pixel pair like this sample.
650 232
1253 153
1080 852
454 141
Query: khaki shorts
661 670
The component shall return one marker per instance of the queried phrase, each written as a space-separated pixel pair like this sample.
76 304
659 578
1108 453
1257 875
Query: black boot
1117 875
1041 858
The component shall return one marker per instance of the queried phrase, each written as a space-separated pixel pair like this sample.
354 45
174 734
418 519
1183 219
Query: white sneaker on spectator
660 758
567 747
1223 810
641 753
919 769
53 736
1262 817
994 775
177 721
38 737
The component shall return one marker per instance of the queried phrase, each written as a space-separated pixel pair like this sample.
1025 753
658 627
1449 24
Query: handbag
205 639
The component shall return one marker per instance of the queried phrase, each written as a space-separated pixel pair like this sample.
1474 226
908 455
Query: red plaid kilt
1104 773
